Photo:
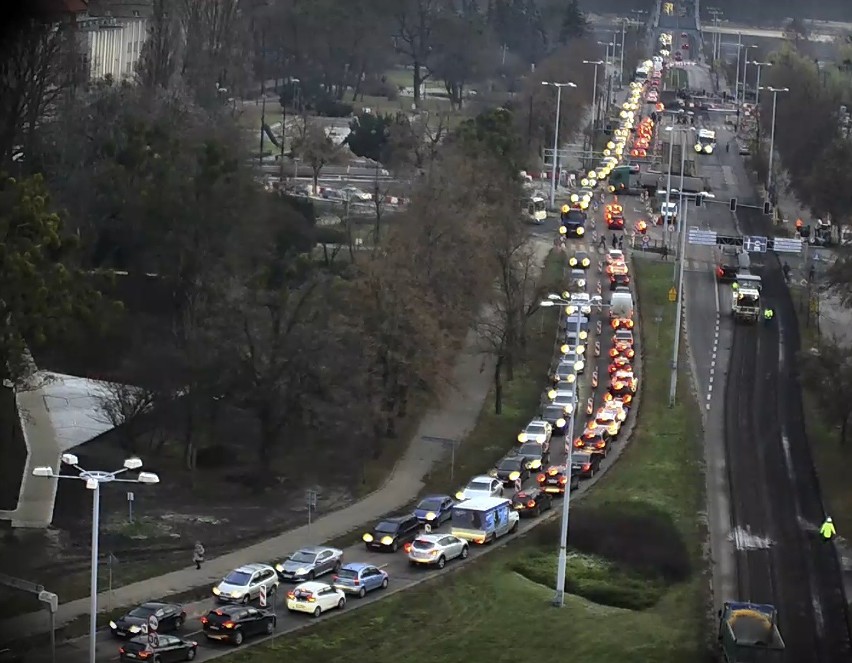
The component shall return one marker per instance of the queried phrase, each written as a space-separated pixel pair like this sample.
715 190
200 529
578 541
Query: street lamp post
562 563
621 64
739 52
745 69
759 66
94 479
558 87
774 91
596 63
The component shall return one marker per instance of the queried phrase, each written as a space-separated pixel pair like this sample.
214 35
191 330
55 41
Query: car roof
435 496
481 477
154 605
396 519
431 538
313 549
251 568
356 566
312 586
537 422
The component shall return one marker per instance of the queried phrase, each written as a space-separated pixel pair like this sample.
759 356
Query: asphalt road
402 576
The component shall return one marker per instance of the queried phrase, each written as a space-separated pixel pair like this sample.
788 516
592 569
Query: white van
621 304
483 519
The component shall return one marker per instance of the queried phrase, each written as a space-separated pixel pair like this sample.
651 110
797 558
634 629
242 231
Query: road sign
787 245
755 244
645 241
153 623
262 597
701 237
143 628
672 295
153 640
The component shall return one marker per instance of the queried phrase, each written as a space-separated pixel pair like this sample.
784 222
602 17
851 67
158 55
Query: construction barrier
597 348
598 327
595 379
599 288
590 406
600 266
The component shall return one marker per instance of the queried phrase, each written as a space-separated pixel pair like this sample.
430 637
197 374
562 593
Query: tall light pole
745 69
679 302
94 479
774 91
759 66
715 13
739 52
558 87
621 64
596 63
562 563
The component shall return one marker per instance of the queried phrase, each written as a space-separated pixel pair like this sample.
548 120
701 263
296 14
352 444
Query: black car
563 371
392 533
235 624
615 223
726 273
170 617
570 324
580 260
574 222
585 463
532 502
577 280
511 469
536 455
163 649
554 479
619 280
555 416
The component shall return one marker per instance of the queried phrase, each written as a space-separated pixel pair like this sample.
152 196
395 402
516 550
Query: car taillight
121 650
578 443
531 504
563 480
204 620
356 582
540 478
335 578
228 624
144 654
587 467
720 271
291 595
311 599
407 547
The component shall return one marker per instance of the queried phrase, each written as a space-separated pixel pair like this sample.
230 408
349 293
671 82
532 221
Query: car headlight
581 349
572 262
579 366
113 625
586 262
541 439
563 230
301 572
430 516
217 591
387 540
236 594
698 147
581 283
584 335
551 394
708 149
522 437
134 629
569 378
568 409
368 538
574 197
534 464
581 230
460 495
514 475
560 423
279 568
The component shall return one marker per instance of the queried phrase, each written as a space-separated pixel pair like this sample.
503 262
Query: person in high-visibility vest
768 314
735 285
799 224
827 530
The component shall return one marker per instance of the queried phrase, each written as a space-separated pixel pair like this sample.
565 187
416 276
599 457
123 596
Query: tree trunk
418 81
844 424
498 385
316 172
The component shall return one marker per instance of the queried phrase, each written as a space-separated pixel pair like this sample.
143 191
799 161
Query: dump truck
748 633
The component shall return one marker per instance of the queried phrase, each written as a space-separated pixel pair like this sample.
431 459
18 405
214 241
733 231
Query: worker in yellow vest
827 530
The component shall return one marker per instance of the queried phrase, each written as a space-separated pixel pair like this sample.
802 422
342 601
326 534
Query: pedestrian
665 252
786 269
728 146
621 242
811 272
614 241
198 554
602 242
827 530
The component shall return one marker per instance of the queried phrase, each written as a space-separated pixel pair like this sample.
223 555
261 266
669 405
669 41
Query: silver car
309 563
482 486
436 550
243 584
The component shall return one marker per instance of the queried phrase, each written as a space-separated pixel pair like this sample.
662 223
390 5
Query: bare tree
415 140
159 58
124 407
827 370
315 148
415 22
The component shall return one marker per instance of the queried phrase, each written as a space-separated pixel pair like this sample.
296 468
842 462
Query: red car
615 223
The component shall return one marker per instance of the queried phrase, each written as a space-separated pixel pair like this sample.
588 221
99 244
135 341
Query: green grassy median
637 545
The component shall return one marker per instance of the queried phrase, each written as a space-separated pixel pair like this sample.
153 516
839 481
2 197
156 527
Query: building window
136 13
129 47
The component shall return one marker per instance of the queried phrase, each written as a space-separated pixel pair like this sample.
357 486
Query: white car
565 399
481 486
437 550
537 430
613 256
315 598
243 584
357 195
583 301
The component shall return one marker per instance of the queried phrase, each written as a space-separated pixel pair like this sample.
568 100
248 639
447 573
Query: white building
114 31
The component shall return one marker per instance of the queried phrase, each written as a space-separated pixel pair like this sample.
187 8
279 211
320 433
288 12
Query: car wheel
238 638
538 510
341 603
514 527
317 611
178 623
310 576
362 592
336 567
385 583
246 599
442 562
394 546
465 552
269 627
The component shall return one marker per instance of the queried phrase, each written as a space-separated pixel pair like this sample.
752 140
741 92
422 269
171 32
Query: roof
313 549
312 586
397 518
435 497
253 567
356 566
481 477
434 538
706 133
484 503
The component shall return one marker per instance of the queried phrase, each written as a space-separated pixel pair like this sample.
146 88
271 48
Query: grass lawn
499 608
676 78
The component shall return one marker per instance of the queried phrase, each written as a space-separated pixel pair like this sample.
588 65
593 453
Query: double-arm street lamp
94 479
558 87
596 63
571 308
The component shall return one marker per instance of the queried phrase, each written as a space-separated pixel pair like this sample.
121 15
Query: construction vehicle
745 297
535 209
706 142
748 633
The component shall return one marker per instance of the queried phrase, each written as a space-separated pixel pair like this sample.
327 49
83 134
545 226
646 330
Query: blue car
358 578
435 510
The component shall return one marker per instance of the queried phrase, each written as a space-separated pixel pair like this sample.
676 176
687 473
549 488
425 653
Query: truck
535 209
483 519
748 632
629 180
745 297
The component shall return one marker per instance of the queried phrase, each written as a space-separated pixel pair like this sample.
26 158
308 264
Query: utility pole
737 84
262 92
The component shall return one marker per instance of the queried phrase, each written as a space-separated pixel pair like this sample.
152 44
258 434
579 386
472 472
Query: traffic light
733 204
767 208
699 201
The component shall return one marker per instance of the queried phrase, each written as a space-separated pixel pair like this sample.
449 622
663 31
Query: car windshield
387 527
555 412
575 216
303 557
479 485
432 504
347 574
141 612
509 464
465 518
530 449
420 544
536 428
580 458
238 578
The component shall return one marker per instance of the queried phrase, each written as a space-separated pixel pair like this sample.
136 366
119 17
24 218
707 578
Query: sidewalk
453 419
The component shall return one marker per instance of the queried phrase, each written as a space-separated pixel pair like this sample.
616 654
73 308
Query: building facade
113 32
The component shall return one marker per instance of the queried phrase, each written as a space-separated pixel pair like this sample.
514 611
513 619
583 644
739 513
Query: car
567 400
392 533
359 578
684 46
577 279
623 335
233 625
596 439
574 323
309 563
537 430
511 469
434 510
604 422
169 616
573 344
555 415
437 550
614 256
586 463
621 323
726 273
744 149
684 35
573 359
562 385
315 598
243 583
615 268
580 260
166 648
481 486
615 222
623 387
619 281
356 195
622 349
554 479
532 502
564 371
536 455
619 363
582 302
